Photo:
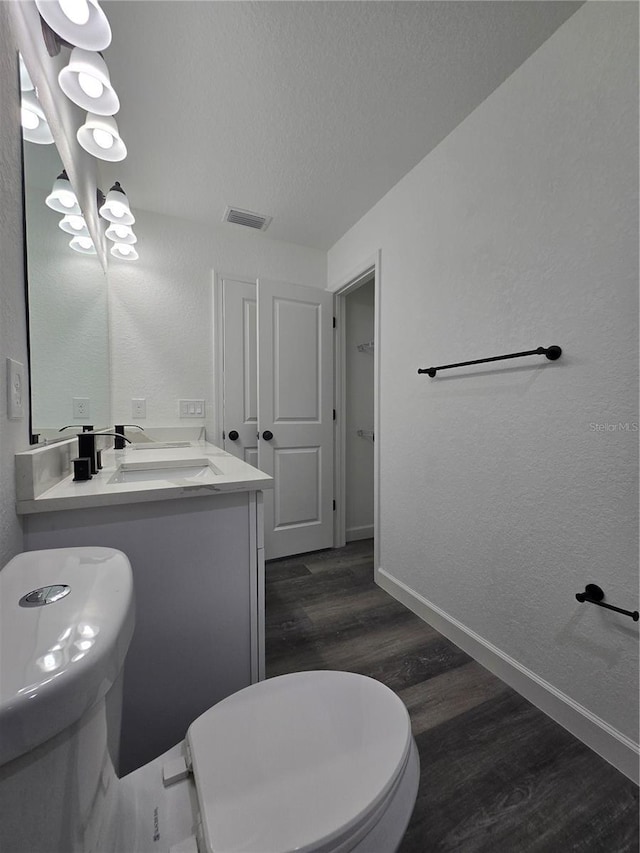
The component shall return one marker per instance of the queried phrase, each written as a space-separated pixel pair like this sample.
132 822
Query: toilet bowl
313 762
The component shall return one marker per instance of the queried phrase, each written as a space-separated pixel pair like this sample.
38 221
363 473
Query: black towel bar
552 353
594 595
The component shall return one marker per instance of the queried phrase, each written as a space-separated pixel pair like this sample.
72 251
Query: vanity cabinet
198 571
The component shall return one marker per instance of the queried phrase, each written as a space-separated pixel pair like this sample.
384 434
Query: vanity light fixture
84 245
99 136
86 82
124 251
62 198
34 124
75 225
119 233
78 22
116 206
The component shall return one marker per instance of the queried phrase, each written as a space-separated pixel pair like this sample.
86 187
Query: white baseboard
365 531
602 738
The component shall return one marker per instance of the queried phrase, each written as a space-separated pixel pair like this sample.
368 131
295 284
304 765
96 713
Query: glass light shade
78 22
120 233
85 81
84 245
124 251
116 207
34 124
99 136
62 198
75 225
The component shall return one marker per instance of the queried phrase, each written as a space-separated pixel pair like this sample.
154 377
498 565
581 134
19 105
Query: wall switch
191 408
80 407
139 407
15 389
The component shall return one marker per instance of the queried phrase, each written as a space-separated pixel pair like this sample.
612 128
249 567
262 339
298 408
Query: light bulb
77 11
67 200
118 210
102 138
29 120
76 222
90 85
84 245
121 231
124 251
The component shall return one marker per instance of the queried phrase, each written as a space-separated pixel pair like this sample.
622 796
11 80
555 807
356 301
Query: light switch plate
15 390
191 408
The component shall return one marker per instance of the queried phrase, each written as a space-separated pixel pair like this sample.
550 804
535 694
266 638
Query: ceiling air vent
247 218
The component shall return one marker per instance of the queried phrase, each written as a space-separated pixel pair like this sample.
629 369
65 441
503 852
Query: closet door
295 415
278 384
240 376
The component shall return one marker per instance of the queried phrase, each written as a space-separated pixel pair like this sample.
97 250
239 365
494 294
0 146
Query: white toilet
313 762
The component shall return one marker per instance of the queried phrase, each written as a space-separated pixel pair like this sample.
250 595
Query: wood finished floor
497 775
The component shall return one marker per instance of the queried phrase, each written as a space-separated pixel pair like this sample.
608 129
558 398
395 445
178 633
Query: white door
292 393
240 377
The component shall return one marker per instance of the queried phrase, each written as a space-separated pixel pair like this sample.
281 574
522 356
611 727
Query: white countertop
228 474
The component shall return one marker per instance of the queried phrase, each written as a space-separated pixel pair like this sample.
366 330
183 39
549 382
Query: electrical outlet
139 407
80 407
191 408
15 389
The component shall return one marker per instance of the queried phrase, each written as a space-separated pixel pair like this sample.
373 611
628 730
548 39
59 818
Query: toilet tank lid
299 762
59 659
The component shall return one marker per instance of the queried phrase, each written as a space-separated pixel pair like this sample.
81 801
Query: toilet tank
66 621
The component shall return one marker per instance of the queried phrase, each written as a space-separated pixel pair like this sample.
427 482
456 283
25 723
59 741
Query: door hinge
224 435
334 322
334 414
334 506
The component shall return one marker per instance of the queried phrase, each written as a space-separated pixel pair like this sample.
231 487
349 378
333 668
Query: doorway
357 444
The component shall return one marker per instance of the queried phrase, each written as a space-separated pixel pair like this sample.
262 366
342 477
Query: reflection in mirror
68 314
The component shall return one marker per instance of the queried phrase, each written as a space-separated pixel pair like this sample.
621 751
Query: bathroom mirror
68 311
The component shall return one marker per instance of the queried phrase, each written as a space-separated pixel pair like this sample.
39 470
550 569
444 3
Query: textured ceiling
308 112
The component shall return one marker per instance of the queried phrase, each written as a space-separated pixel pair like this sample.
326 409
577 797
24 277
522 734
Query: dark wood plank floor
497 775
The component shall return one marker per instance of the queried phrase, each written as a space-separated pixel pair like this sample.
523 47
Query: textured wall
359 374
14 435
161 308
513 484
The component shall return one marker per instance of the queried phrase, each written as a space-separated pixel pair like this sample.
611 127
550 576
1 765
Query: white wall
161 308
502 499
14 435
359 321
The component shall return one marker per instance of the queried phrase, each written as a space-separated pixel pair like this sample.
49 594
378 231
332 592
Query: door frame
217 324
345 285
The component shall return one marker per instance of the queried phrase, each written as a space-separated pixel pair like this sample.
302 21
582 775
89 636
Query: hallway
497 775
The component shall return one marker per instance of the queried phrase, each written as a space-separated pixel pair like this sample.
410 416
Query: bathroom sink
193 472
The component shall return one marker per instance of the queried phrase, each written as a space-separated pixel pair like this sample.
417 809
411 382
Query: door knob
267 435
234 435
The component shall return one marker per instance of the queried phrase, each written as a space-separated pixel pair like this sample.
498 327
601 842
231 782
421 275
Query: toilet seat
302 762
